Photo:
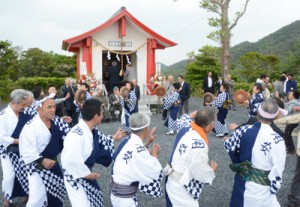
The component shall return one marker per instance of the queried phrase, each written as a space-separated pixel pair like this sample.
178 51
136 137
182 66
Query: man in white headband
136 167
258 155
41 141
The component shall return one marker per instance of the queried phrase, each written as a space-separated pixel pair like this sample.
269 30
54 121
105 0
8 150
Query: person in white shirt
135 167
84 146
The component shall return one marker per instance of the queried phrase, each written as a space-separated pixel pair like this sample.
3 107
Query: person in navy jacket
184 92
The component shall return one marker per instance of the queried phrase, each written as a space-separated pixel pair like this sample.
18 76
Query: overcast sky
46 23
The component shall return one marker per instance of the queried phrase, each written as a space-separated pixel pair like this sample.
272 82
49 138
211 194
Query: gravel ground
216 195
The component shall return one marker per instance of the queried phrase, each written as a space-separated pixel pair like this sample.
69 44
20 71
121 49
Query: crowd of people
33 133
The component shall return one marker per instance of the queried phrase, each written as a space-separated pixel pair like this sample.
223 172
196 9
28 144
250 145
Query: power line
186 28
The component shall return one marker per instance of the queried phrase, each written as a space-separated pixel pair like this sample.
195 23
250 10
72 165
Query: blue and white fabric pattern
265 149
128 106
220 125
254 103
172 103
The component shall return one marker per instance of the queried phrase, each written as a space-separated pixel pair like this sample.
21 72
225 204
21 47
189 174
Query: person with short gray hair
188 169
258 155
135 167
11 164
69 106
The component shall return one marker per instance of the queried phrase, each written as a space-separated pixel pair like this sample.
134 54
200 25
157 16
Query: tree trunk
225 39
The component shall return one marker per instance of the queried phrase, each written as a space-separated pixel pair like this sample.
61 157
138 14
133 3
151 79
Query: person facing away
188 170
231 83
114 79
258 158
135 166
130 73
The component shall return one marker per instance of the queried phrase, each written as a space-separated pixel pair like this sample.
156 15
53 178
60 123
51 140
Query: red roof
116 17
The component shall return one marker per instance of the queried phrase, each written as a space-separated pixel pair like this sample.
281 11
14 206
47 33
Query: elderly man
115 106
83 147
136 167
40 143
130 73
258 156
14 181
188 169
69 105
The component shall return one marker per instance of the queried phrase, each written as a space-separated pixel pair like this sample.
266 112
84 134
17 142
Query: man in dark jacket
69 103
114 79
208 83
184 93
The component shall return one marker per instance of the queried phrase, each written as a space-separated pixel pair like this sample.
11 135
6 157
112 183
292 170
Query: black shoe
291 152
234 109
164 118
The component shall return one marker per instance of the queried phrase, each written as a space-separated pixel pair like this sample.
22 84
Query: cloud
45 24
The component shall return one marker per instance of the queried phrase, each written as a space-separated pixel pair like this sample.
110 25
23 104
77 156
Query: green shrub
6 86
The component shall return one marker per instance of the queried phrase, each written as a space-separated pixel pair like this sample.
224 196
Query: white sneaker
219 135
170 132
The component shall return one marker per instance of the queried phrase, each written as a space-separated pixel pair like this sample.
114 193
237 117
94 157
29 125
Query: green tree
254 64
292 62
37 63
208 59
224 26
9 61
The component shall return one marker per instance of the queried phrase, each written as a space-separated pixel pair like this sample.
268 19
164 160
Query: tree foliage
208 59
221 21
254 64
9 61
33 62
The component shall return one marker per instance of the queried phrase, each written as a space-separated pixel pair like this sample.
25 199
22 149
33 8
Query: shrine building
122 38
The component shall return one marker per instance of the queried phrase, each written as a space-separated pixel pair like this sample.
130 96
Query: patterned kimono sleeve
32 111
278 159
255 102
150 174
132 101
218 102
232 144
185 120
88 96
106 145
170 100
62 125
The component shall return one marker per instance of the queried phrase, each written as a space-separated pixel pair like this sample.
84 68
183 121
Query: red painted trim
122 27
150 61
122 14
78 64
159 46
87 55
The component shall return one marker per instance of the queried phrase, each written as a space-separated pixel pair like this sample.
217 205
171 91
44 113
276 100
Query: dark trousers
288 137
184 107
74 115
294 196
